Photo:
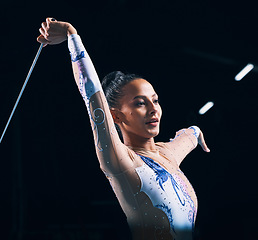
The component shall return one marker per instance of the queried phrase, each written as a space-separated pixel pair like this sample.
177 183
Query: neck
139 142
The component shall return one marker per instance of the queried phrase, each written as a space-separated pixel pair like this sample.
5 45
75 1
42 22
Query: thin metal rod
22 90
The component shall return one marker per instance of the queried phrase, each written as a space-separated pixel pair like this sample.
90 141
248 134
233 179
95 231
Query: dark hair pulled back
112 85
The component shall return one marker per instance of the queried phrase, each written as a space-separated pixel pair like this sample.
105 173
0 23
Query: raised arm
110 150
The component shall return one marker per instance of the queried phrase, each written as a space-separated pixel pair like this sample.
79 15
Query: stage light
244 71
206 108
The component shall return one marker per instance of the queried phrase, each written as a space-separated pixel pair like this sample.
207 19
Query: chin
154 133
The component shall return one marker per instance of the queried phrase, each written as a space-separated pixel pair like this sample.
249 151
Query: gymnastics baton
22 90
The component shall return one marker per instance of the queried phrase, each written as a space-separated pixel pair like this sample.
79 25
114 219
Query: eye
156 101
140 103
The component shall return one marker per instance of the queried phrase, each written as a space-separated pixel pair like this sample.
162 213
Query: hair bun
111 78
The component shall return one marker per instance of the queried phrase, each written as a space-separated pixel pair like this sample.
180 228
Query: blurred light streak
206 108
244 71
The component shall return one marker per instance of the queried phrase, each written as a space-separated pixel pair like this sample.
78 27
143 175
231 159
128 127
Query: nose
153 112
153 109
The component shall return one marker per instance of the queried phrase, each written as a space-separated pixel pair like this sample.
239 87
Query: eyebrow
142 96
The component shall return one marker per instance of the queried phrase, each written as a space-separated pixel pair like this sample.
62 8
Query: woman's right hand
202 142
54 32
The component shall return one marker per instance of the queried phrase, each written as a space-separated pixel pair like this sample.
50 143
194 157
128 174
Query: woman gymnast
156 197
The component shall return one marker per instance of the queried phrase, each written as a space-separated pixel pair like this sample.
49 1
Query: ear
116 114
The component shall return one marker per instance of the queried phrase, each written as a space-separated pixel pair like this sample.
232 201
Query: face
139 113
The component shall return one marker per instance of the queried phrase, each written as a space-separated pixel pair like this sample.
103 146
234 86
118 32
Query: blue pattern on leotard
162 176
184 199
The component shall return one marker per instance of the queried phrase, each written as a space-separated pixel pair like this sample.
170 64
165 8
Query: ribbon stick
22 90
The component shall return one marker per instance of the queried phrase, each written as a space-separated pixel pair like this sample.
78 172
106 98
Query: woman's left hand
54 32
202 142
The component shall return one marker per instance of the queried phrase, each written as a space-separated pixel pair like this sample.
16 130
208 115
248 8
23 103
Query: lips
153 121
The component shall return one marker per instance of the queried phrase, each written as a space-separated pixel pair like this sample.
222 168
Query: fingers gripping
45 26
43 38
49 20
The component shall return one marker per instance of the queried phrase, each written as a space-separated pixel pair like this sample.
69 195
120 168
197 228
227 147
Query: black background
50 182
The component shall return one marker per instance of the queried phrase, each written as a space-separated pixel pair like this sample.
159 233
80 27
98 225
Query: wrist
196 132
70 30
